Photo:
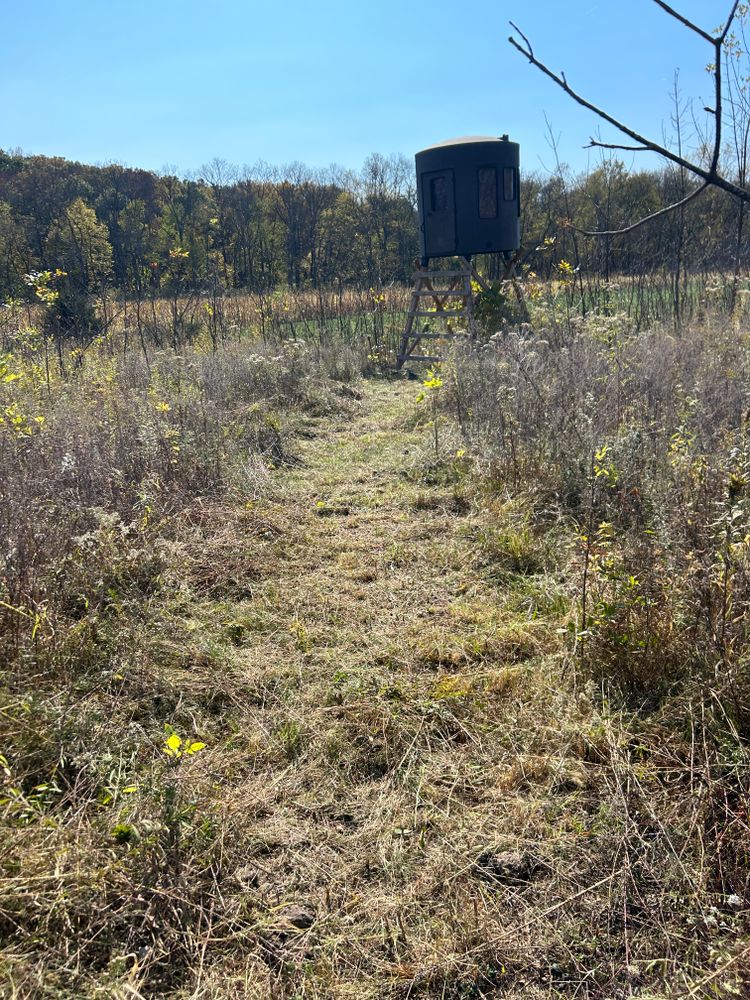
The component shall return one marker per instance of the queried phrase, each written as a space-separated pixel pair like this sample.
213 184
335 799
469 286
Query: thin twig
596 144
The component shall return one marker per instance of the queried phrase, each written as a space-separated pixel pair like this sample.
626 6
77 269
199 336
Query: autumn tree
79 245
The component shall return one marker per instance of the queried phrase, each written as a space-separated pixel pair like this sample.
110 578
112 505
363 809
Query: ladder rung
442 312
442 274
440 336
460 288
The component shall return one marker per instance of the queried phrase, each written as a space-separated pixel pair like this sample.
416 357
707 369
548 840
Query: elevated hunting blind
468 196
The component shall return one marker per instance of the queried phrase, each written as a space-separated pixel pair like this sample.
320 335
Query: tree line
139 234
135 230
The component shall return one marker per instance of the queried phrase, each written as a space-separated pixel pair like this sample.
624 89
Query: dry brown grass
360 321
409 788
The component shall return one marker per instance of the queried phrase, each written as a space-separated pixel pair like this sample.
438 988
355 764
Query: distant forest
142 233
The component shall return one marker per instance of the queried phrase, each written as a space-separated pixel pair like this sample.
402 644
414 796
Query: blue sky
177 82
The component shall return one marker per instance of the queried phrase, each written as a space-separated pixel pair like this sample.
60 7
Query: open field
369 320
323 686
329 671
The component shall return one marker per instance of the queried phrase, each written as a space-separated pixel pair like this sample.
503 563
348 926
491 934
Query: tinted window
509 184
439 194
487 177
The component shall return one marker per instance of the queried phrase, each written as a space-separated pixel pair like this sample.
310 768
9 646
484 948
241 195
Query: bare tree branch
728 25
561 82
718 44
710 175
646 218
596 144
526 42
683 20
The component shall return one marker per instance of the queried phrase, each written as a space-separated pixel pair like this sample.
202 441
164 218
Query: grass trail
375 559
402 792
420 781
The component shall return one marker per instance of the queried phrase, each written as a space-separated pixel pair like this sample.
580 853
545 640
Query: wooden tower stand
441 308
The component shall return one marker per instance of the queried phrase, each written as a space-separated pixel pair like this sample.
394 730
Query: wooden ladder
456 285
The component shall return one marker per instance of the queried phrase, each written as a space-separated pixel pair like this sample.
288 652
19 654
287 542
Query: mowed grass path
411 789
404 790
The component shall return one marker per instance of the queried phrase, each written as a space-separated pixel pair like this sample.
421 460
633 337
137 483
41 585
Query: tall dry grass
368 320
633 447
118 468
121 444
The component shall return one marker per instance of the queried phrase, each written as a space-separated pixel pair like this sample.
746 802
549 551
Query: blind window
439 194
487 177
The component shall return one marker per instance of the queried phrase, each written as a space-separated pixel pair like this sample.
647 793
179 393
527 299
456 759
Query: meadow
321 682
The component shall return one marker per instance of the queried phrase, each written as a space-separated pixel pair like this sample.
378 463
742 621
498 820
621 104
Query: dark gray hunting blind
468 196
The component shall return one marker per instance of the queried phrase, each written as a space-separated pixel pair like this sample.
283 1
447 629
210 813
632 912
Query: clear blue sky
153 83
